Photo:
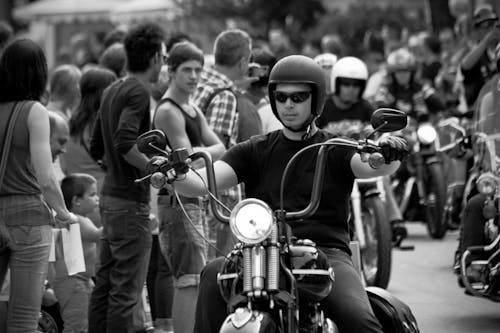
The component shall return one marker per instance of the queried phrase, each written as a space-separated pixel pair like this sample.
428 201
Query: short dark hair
175 38
75 185
182 52
23 71
141 44
230 46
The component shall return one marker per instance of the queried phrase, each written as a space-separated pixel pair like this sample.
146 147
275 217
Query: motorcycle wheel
435 202
46 324
376 257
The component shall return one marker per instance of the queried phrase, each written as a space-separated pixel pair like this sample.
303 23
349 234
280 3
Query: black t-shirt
361 111
476 77
123 116
259 163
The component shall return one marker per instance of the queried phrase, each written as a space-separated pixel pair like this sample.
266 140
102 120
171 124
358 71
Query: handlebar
359 146
375 159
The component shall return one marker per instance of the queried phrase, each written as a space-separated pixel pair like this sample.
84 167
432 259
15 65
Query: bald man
59 134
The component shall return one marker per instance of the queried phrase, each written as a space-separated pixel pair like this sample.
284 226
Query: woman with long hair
29 185
77 158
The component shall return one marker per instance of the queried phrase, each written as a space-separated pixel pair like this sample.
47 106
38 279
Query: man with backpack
230 114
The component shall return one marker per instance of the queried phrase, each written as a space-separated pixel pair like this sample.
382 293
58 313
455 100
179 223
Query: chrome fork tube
247 269
258 269
273 264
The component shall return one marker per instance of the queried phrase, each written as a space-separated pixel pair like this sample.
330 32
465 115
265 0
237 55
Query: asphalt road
424 280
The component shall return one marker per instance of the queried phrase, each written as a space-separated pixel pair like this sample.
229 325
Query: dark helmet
299 69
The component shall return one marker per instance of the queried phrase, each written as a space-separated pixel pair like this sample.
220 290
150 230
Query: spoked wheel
435 202
46 324
376 256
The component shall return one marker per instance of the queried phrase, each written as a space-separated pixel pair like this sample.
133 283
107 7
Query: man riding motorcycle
402 91
346 109
297 92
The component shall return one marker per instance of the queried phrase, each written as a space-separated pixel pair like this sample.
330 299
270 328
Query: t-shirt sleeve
131 118
341 157
240 158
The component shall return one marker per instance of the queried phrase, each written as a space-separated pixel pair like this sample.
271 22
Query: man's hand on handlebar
155 164
394 148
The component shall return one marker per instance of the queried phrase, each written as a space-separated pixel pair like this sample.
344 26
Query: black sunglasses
296 96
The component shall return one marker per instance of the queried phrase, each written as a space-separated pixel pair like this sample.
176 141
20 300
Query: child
73 292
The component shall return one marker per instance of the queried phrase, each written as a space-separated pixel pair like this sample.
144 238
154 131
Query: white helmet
400 59
326 60
349 68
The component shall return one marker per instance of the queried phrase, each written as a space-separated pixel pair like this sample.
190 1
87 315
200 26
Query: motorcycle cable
190 221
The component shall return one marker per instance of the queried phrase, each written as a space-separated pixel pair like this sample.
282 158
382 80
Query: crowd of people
72 159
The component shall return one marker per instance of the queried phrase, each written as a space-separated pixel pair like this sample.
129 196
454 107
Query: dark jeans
160 283
473 221
124 257
347 305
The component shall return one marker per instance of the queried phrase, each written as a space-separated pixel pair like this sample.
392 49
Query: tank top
193 124
19 177
193 128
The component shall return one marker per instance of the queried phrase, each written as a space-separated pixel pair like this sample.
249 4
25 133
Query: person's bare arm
192 186
212 143
89 232
41 158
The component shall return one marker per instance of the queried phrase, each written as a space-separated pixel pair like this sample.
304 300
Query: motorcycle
371 229
272 281
458 146
419 185
480 265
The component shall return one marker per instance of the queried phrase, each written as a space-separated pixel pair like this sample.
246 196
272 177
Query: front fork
357 211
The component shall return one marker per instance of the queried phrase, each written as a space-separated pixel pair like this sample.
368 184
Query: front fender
244 320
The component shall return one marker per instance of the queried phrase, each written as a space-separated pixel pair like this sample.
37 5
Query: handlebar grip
376 160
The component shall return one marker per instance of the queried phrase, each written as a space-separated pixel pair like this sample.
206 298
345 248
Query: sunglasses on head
296 96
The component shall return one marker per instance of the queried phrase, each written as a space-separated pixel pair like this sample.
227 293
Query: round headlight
486 183
251 221
426 134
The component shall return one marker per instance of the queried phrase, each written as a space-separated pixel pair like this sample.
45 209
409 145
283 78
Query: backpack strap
16 110
215 93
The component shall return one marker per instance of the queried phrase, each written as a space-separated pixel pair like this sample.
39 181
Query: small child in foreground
73 292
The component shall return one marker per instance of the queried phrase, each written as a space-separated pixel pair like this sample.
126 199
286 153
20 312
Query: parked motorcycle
271 281
480 265
419 185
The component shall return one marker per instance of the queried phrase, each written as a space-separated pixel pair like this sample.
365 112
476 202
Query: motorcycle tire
435 201
46 324
376 257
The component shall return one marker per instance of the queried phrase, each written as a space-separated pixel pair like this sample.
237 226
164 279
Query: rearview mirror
388 120
152 142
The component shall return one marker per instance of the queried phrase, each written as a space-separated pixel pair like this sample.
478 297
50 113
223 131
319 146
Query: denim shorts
182 242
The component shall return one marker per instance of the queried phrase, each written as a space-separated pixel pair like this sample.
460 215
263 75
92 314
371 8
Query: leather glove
155 164
394 148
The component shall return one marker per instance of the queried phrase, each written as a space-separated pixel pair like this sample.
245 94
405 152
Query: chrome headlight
486 183
251 221
426 134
